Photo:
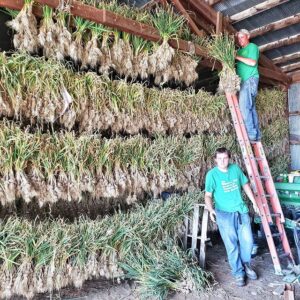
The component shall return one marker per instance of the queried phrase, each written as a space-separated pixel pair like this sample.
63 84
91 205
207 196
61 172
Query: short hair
222 150
244 31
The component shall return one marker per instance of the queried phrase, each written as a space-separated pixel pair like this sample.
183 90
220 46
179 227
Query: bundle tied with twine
222 48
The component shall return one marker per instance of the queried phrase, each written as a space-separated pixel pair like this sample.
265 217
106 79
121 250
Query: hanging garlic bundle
76 48
92 53
183 68
168 24
25 25
140 57
222 48
105 59
47 34
64 37
117 54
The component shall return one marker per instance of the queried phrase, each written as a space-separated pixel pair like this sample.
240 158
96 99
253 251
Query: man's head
243 37
222 156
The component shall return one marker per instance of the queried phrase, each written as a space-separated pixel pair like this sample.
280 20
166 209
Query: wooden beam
219 25
292 73
190 21
113 20
286 58
283 42
256 9
283 23
147 32
212 2
296 77
268 82
271 74
199 21
291 67
205 11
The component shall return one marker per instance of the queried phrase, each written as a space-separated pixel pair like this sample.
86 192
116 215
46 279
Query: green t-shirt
226 188
246 71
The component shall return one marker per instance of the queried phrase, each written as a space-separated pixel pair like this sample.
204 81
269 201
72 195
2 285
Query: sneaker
240 280
250 273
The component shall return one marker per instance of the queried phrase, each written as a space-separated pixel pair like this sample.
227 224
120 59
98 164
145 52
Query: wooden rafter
190 21
256 9
219 24
283 42
271 74
291 73
291 67
296 76
283 23
199 21
286 58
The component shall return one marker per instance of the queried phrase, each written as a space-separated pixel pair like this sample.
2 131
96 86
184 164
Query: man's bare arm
250 195
209 206
248 61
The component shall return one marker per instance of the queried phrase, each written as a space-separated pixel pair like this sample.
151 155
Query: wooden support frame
219 24
271 74
256 9
193 224
283 42
147 32
296 76
190 21
199 21
210 15
291 67
283 23
286 58
113 20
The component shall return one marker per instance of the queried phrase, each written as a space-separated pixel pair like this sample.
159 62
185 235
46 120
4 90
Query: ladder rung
284 255
268 195
258 158
264 177
276 215
276 234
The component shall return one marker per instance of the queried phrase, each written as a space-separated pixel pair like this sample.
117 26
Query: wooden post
203 238
195 228
219 24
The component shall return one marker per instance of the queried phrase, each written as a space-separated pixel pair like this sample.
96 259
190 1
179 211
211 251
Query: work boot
240 280
250 273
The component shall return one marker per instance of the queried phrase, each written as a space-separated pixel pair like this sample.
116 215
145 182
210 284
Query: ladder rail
248 157
274 200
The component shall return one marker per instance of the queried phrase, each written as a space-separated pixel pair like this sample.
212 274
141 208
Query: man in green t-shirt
247 69
223 184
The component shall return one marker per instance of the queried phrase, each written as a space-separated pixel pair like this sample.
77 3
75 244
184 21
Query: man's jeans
236 233
247 96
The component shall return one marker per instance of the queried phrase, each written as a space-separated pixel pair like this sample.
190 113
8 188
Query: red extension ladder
263 187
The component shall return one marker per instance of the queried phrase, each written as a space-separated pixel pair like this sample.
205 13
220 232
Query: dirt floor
266 287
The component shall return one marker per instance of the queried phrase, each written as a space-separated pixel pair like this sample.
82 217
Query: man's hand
212 215
256 209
